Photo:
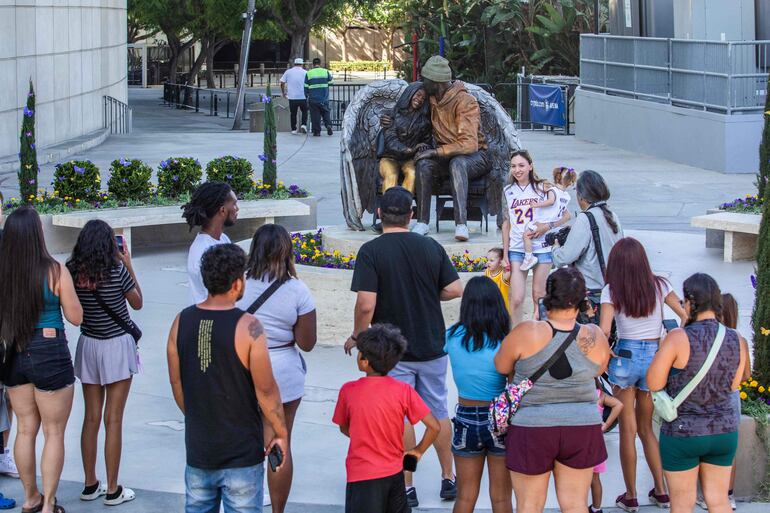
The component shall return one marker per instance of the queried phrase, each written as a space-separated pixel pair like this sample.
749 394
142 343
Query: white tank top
520 213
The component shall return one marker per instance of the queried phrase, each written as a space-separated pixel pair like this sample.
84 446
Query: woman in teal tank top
36 294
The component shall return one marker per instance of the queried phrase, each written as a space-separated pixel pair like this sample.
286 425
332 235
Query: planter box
751 458
61 239
715 238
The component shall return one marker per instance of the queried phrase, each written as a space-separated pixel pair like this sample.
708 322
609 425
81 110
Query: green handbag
665 406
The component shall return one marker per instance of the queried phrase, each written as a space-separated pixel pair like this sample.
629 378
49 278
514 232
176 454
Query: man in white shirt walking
293 88
213 206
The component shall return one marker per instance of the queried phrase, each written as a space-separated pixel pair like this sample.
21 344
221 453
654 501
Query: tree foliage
270 150
28 168
764 149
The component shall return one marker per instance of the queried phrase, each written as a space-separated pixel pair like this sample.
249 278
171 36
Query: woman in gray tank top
702 440
558 426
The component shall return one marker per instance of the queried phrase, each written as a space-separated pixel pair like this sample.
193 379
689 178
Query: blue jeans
630 370
472 435
239 489
542 258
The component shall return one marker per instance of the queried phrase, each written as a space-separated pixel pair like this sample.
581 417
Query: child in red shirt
371 412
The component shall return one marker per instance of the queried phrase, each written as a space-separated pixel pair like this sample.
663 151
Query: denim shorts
429 380
631 370
542 258
45 362
239 489
472 434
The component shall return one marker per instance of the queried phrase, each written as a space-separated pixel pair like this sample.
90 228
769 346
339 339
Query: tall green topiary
764 149
268 158
760 320
28 168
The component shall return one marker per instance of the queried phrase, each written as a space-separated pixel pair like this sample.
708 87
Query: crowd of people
237 372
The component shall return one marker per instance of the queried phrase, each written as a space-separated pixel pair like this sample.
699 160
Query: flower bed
748 205
309 250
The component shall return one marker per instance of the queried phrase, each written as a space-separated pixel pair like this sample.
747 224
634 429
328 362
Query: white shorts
289 370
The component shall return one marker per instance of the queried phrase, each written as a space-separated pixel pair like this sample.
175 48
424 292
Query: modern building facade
74 52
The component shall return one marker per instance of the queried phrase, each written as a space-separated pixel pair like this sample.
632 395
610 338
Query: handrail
117 116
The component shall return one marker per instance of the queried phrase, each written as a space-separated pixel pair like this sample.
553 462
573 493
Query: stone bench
740 230
123 219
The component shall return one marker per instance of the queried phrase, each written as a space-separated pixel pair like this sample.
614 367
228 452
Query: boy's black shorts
383 495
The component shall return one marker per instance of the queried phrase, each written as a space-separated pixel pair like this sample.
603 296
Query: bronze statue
359 166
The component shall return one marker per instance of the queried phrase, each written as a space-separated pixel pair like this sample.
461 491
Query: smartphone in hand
410 462
275 458
121 242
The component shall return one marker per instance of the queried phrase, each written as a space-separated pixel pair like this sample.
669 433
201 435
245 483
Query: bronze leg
389 170
409 171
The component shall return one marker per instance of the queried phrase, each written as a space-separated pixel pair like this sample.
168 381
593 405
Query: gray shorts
429 379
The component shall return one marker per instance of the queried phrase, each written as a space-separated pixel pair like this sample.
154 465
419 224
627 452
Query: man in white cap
293 88
460 149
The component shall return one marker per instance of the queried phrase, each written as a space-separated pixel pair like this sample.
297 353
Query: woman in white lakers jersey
523 190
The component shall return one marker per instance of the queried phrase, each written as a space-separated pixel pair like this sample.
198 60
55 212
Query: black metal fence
221 102
116 116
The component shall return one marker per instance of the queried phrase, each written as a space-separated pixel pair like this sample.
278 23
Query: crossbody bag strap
556 355
695 381
125 326
597 241
264 297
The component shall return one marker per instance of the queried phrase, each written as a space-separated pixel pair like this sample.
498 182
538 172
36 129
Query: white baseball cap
299 60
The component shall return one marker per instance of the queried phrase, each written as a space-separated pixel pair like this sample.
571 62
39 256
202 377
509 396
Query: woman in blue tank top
35 290
471 345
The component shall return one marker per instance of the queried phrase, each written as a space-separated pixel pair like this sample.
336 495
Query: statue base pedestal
345 240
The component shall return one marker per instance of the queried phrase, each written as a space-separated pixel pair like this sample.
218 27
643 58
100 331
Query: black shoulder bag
257 304
127 326
613 338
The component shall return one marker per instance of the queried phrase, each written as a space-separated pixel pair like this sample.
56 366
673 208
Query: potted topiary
178 176
77 181
130 180
237 172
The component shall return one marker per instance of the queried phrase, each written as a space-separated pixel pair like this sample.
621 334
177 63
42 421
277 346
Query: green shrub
77 180
130 180
178 175
234 171
28 168
359 65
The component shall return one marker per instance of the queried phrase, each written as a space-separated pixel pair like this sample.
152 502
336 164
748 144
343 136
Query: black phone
625 353
121 242
410 462
542 313
275 458
670 324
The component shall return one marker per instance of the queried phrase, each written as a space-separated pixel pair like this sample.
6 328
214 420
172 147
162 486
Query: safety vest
317 82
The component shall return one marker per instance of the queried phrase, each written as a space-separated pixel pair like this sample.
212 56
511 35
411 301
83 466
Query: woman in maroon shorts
557 427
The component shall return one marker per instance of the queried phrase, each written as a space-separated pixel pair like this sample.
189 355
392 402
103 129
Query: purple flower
78 170
175 178
163 164
754 281
197 162
30 182
265 99
32 146
125 180
28 112
125 163
263 157
28 134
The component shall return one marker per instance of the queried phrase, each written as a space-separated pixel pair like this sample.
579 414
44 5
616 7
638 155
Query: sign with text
546 105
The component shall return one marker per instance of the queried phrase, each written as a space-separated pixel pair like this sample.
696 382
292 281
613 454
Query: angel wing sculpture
361 124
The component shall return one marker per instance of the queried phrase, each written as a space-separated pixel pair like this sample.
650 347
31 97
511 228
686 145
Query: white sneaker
266 499
295 132
125 495
7 465
421 229
101 489
461 232
731 497
529 262
302 129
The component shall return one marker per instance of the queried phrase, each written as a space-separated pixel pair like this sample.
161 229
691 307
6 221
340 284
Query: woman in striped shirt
106 356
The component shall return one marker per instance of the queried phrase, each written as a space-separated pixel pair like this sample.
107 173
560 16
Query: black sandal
35 509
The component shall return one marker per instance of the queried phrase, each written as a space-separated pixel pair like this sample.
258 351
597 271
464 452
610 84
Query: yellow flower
761 389
754 384
764 331
743 396
77 201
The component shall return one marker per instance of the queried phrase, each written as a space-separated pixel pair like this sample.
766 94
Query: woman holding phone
106 357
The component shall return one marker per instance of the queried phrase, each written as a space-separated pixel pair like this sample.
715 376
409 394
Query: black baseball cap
396 201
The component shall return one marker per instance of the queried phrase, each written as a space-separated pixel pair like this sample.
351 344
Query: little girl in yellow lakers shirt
498 274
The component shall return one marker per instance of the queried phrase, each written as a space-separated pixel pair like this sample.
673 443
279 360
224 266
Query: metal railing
221 102
719 76
116 115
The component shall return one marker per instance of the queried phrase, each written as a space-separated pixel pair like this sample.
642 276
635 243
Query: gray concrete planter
715 238
752 459
60 239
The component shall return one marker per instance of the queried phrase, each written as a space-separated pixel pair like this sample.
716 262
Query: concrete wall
363 44
704 139
75 53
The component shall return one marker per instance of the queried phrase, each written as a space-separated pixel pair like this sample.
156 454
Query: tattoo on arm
587 340
255 329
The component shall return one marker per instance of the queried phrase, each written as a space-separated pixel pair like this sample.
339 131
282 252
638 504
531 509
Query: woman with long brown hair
35 290
282 302
634 297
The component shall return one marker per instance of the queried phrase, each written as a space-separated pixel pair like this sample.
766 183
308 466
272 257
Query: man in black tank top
217 359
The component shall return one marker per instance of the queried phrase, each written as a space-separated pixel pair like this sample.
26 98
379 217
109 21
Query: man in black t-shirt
401 278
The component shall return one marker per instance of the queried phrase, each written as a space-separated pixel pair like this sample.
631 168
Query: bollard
197 99
228 104
216 105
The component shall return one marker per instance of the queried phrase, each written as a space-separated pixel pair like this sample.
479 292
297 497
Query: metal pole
245 46
596 16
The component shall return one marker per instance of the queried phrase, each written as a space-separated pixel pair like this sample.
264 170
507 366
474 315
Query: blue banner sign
546 105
